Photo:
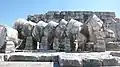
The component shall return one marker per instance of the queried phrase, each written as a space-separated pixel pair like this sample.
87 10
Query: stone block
113 46
110 62
26 64
115 53
70 60
29 43
92 63
100 46
34 57
10 47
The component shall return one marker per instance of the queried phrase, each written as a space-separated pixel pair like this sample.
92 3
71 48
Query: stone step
108 58
26 64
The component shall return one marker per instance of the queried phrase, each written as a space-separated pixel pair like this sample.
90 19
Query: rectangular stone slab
108 58
70 60
35 57
26 64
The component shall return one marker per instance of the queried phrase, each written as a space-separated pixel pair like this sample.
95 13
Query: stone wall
77 15
109 19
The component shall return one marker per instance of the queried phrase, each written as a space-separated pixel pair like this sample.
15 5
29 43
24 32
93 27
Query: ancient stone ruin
62 39
110 26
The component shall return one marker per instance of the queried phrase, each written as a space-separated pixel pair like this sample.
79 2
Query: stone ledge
108 58
26 64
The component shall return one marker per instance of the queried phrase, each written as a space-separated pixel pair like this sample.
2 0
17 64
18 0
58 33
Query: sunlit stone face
41 25
38 30
12 34
27 29
63 24
74 26
18 25
96 23
51 25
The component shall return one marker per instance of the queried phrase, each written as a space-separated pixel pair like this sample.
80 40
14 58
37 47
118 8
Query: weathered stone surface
81 16
10 47
70 60
8 39
103 30
89 59
18 25
1 57
29 43
110 62
3 34
26 64
93 59
12 35
38 30
35 57
59 35
48 36
100 45
118 30
112 25
96 34
27 28
92 63
99 22
101 59
115 53
115 46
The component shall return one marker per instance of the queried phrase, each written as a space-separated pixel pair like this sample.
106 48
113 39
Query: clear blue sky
10 10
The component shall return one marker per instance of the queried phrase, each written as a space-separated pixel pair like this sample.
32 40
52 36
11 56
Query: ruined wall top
81 16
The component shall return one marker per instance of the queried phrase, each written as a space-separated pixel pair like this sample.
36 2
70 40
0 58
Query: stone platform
62 59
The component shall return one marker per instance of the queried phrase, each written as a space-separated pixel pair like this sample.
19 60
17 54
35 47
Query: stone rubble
106 20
